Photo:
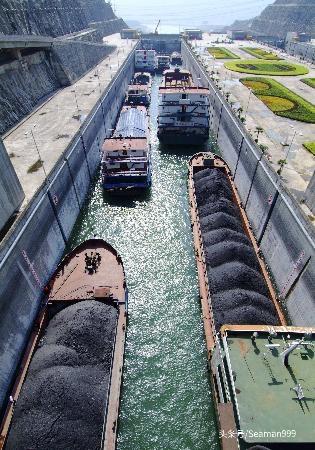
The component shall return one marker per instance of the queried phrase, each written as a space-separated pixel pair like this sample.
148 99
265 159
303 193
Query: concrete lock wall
31 252
283 232
11 192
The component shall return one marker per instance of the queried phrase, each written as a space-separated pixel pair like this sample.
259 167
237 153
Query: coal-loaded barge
262 371
67 392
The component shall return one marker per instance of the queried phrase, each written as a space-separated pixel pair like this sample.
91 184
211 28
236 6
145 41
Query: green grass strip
260 53
281 100
222 53
310 146
309 82
264 67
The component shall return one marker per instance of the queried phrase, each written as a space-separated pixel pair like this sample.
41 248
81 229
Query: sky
185 13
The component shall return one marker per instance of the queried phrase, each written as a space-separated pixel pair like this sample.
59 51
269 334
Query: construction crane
157 27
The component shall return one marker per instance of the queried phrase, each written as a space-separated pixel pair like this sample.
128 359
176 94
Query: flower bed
222 53
260 53
264 67
281 100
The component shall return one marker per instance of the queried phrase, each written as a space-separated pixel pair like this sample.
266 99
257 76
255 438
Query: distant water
166 396
187 14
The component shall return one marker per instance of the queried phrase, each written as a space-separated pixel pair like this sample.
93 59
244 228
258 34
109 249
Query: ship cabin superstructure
176 59
142 78
183 109
126 159
163 62
138 94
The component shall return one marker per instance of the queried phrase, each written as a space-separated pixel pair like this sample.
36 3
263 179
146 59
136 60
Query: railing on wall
285 235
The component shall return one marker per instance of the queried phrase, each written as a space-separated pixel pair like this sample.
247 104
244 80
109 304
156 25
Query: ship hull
182 138
83 286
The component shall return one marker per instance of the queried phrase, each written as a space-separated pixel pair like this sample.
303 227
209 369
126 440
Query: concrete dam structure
33 68
52 18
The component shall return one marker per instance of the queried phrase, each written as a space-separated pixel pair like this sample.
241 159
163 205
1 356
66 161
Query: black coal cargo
239 292
63 399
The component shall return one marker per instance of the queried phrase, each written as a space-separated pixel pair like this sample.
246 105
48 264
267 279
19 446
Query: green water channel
166 400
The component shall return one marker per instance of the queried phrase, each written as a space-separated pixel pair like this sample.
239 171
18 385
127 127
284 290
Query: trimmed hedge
281 100
309 82
260 53
264 67
222 53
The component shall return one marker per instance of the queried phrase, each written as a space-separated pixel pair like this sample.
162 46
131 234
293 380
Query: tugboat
183 110
126 160
262 371
138 94
176 59
70 377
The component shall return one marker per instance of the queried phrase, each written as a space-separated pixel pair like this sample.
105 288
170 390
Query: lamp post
282 162
39 155
246 111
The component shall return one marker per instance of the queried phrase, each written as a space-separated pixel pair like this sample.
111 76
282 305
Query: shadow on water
131 201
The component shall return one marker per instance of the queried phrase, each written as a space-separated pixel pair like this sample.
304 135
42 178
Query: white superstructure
145 60
183 110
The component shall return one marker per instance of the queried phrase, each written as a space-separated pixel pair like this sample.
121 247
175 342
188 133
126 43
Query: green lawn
310 146
260 53
264 67
222 53
281 100
309 82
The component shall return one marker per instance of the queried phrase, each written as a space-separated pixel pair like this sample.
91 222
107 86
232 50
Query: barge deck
77 348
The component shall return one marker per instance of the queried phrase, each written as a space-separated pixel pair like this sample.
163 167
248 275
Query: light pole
37 150
246 111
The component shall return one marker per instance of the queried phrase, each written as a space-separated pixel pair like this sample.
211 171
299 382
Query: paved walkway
301 164
56 121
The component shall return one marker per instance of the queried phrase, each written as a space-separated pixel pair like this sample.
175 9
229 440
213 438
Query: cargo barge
183 110
126 159
67 391
248 341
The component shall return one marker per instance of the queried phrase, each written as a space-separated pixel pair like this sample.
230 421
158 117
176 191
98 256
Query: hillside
284 16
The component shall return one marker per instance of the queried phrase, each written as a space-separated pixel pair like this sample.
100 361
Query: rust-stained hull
225 413
80 277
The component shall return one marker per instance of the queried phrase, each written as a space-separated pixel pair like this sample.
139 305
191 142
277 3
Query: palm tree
258 131
239 112
263 148
282 163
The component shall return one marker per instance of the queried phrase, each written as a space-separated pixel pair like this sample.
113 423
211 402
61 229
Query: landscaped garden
264 67
222 53
281 100
309 82
260 53
310 146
